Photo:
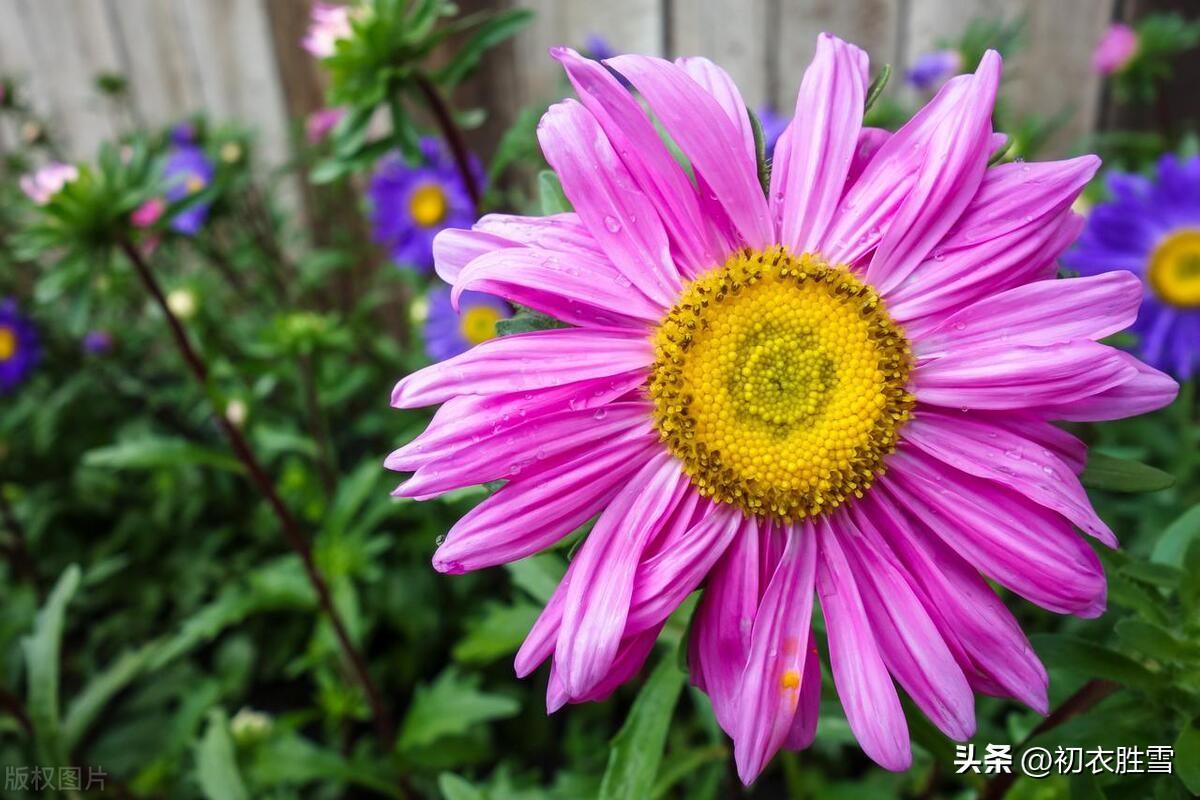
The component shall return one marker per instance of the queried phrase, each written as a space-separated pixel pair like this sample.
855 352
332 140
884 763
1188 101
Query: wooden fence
241 60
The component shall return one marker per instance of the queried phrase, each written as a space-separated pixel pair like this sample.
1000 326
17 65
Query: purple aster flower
1151 227
597 47
97 343
183 133
449 332
773 126
411 204
931 70
19 350
188 171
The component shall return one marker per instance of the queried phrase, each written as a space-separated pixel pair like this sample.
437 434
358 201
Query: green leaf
154 452
42 649
455 788
551 195
1155 642
877 86
1121 475
497 632
538 575
526 320
1091 660
489 34
686 764
453 704
1187 756
1085 787
216 765
90 702
637 750
1174 541
760 151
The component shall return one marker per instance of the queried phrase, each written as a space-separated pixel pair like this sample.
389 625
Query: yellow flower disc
1174 271
428 205
779 382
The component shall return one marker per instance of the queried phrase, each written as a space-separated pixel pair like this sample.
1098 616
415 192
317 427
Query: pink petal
720 639
538 508
711 141
721 86
454 248
507 454
770 682
1003 377
816 157
949 176
958 274
1029 549
600 591
1063 445
1012 195
978 448
1041 313
863 684
657 173
666 578
619 215
869 142
567 286
912 647
466 421
527 361
868 207
979 629
1148 390
804 725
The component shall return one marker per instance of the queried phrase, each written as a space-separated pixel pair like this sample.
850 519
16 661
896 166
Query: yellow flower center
779 382
8 343
428 205
478 324
1174 270
195 183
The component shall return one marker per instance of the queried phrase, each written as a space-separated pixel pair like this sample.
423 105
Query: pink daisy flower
841 389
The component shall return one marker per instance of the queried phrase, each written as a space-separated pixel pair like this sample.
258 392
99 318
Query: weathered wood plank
68 45
164 81
870 24
632 26
732 34
236 65
1057 41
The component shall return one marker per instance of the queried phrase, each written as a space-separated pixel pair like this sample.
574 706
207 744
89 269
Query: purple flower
597 47
19 348
1151 227
188 170
1115 50
42 185
931 70
773 126
97 342
814 394
183 133
449 332
410 205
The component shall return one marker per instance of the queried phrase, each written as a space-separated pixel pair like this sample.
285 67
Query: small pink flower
321 122
1115 50
148 213
48 181
328 23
